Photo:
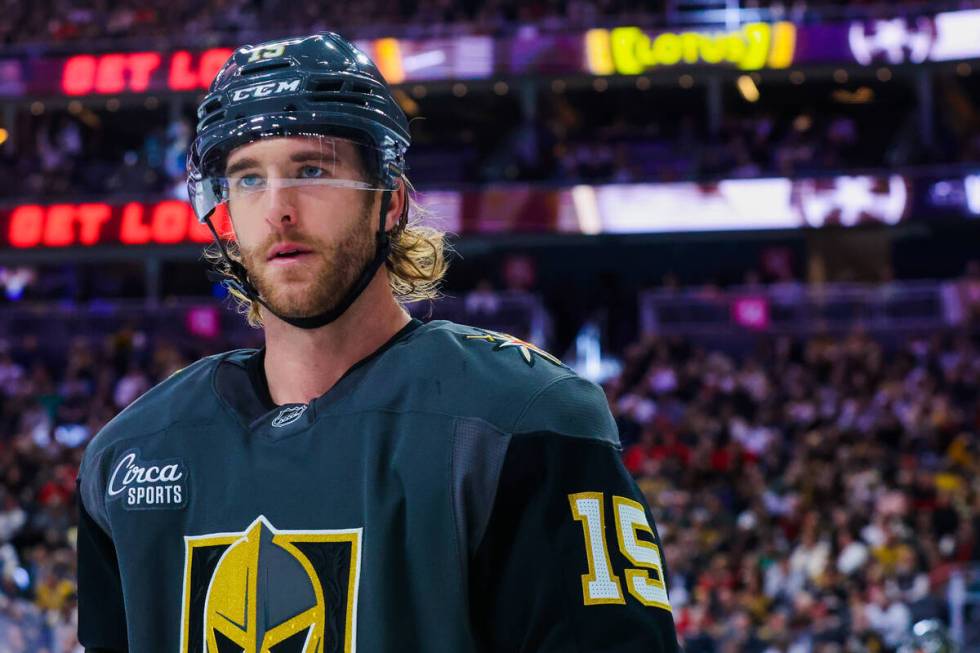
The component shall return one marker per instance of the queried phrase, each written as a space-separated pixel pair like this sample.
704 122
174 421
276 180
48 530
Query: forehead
278 149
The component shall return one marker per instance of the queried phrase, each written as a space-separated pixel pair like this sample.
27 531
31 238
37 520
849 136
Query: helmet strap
238 275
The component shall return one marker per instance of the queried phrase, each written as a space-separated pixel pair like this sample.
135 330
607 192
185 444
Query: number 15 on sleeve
601 585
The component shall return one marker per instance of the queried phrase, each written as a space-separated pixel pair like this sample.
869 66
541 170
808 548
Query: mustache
259 251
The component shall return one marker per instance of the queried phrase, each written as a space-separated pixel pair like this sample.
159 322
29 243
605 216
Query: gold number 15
602 585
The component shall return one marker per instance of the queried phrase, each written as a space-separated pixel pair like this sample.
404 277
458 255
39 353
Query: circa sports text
146 485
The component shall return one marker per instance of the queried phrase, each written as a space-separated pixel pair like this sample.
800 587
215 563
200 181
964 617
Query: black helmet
320 84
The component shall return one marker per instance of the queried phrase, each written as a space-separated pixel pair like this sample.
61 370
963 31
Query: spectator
889 618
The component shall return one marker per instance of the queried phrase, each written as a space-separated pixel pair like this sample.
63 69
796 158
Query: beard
319 284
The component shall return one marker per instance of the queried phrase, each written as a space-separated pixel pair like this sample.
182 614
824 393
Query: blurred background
754 223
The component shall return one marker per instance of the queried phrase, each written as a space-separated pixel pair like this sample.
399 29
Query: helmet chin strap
239 275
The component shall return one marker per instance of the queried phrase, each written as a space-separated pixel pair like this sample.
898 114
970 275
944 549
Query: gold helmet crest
264 597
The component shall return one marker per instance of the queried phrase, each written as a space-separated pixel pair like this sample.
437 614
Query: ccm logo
265 90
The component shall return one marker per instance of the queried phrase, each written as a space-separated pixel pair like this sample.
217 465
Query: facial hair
338 267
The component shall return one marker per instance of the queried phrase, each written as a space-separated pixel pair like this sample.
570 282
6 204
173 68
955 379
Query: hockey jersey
458 490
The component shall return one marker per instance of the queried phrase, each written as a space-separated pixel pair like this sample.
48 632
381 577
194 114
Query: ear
397 205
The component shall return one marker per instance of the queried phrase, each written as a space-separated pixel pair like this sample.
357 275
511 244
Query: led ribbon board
626 50
632 51
170 222
947 36
140 72
729 205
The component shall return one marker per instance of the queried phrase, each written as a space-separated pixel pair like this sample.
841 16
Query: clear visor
256 173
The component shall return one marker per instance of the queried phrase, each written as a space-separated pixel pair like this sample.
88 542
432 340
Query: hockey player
364 482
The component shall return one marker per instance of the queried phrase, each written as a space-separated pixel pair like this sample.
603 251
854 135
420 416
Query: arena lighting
405 60
169 222
748 89
134 72
850 199
751 204
389 57
861 95
587 209
632 51
947 36
972 186
751 313
894 40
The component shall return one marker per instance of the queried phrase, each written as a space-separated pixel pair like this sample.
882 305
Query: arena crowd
815 495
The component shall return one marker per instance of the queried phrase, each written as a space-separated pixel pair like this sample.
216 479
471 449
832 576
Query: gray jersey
458 490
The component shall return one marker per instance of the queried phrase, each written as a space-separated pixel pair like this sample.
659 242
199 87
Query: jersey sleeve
570 559
101 615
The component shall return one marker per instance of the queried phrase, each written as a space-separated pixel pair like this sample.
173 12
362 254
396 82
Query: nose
280 209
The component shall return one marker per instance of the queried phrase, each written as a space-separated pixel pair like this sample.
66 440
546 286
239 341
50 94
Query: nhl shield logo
288 415
265 589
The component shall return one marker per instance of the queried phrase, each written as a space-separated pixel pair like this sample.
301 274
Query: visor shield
311 165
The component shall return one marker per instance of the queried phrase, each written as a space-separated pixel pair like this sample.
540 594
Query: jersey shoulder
513 384
185 395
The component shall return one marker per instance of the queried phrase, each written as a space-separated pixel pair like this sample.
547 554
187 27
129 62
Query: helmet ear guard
318 85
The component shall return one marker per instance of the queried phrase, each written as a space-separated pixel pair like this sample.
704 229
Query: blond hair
417 261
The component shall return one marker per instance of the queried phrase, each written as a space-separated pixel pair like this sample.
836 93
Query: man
365 481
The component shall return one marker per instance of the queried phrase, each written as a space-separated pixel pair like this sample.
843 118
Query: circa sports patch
147 484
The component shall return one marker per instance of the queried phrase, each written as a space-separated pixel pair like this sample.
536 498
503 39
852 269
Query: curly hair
417 261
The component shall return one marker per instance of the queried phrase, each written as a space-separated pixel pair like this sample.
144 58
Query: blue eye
249 182
311 172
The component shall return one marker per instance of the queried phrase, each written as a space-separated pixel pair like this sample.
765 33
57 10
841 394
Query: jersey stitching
154 432
567 612
453 500
553 434
104 512
493 503
534 397
408 412
111 426
213 384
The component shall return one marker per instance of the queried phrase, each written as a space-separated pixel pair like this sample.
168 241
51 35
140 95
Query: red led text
170 222
140 72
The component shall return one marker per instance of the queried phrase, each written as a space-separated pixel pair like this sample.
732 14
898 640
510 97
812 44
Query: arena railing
963 597
798 309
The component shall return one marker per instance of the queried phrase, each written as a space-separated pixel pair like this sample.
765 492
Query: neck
302 364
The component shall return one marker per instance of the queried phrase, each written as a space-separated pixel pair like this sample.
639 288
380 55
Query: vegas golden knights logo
271 591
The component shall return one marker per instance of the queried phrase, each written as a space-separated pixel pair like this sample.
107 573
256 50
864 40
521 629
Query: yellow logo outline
286 539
